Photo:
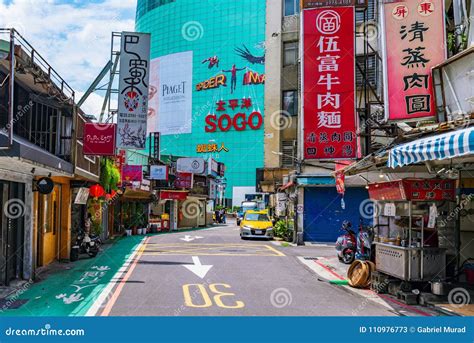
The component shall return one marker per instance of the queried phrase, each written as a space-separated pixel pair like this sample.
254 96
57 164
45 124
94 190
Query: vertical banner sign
329 83
414 42
133 90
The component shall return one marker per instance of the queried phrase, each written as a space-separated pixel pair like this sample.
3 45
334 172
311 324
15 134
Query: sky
72 35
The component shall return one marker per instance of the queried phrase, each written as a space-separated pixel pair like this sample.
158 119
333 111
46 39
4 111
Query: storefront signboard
183 180
99 139
191 165
173 195
132 173
159 173
330 123
413 42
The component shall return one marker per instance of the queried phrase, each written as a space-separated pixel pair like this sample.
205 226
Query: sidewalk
322 260
71 288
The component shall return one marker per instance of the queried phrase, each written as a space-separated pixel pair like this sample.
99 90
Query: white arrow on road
188 238
197 268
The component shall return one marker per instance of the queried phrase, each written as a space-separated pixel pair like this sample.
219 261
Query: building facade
207 80
311 183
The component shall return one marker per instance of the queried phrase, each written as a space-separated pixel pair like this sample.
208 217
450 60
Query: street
236 278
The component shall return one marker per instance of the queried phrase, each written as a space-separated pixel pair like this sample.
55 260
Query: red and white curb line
325 272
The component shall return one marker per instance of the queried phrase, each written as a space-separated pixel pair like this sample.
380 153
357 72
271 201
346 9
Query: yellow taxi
256 224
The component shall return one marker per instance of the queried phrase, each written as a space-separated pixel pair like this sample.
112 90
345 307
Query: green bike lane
71 292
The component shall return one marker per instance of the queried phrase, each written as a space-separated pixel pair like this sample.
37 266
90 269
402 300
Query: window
291 7
145 6
372 70
288 149
290 102
256 217
290 53
359 15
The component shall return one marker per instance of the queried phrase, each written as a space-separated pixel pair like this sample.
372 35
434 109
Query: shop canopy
440 147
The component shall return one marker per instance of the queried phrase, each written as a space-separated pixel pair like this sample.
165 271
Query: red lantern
113 194
96 191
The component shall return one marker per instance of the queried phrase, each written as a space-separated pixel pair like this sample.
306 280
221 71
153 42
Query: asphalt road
247 278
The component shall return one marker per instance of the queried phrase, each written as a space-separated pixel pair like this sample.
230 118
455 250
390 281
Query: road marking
121 284
197 268
279 253
154 249
188 238
108 289
188 298
207 302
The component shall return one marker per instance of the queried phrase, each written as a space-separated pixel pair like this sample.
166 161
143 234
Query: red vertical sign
329 83
414 43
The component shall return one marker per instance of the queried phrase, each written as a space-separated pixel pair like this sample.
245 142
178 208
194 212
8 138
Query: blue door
323 214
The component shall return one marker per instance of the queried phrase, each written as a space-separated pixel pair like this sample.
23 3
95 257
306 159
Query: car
246 205
256 224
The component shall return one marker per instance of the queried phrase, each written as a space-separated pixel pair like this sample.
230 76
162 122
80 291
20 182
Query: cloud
73 36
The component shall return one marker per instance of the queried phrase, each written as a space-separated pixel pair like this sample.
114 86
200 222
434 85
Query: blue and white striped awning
448 145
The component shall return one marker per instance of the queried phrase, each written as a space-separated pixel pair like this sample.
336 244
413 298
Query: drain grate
310 258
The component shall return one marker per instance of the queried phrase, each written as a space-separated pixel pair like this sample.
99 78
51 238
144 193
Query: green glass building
208 73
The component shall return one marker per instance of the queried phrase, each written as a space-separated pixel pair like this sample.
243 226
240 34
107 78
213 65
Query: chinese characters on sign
133 90
415 32
329 84
240 121
211 147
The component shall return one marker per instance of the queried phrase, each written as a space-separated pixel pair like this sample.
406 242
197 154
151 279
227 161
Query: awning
316 181
136 194
448 145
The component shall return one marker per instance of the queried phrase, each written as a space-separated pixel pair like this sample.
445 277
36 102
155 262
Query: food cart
413 229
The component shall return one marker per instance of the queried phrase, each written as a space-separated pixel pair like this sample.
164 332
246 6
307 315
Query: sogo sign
240 121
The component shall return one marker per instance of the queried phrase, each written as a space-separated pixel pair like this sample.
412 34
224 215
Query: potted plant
135 217
126 218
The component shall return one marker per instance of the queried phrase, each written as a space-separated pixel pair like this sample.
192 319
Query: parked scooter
346 245
350 246
85 244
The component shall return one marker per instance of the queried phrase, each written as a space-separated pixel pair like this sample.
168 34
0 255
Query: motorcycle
346 245
350 246
85 244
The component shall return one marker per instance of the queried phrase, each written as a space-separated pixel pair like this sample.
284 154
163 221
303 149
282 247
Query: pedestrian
224 213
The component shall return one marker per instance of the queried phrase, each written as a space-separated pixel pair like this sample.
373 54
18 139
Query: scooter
346 245
351 246
85 244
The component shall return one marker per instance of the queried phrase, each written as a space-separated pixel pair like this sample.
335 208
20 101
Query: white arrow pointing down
197 268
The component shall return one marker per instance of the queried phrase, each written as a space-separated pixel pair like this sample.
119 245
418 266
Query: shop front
192 212
167 212
12 231
415 236
324 209
132 212
449 155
